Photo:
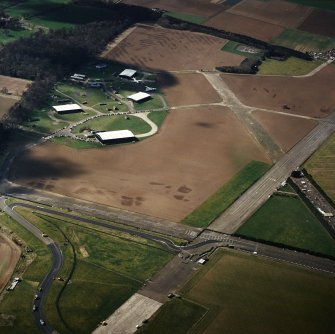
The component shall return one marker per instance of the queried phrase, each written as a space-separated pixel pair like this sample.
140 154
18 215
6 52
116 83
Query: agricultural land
167 166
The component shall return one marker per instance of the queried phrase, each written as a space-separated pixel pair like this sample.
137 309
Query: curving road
57 259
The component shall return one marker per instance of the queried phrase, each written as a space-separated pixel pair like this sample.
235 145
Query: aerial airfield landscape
167 166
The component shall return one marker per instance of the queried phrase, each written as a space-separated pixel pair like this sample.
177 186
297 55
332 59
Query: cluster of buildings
326 55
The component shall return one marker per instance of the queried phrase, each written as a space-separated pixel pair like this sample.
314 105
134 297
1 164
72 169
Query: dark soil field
282 13
320 22
168 175
200 7
190 89
311 96
5 104
172 50
245 26
14 86
285 130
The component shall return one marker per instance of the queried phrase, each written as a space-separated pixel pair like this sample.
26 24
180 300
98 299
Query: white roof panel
110 135
139 96
128 72
67 107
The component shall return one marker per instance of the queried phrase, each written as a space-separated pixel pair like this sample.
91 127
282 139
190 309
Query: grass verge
288 221
226 195
291 66
187 17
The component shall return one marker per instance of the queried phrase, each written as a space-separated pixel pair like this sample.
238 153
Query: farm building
67 108
115 137
139 97
127 73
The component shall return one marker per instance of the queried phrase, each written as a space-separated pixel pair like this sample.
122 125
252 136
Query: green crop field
303 41
105 268
291 66
247 294
187 17
226 195
235 47
110 123
321 165
288 221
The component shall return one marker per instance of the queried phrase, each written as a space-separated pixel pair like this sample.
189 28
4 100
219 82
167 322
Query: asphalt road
257 195
56 265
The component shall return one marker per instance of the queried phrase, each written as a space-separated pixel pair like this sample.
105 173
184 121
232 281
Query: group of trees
8 22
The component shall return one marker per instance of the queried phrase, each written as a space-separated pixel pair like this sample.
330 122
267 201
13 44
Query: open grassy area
7 36
154 103
19 301
176 316
291 66
109 266
158 117
109 123
187 17
323 4
78 144
247 294
226 195
239 49
303 41
321 165
288 221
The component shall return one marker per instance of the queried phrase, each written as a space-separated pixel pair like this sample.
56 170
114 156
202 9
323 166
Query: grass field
78 144
321 166
226 195
176 316
187 17
19 301
109 267
246 294
323 4
158 117
11 35
291 66
154 103
109 123
303 41
288 221
234 47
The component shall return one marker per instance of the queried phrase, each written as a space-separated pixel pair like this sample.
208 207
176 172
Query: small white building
115 137
127 73
139 97
67 108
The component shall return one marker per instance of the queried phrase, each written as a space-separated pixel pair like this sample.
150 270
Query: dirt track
309 96
171 50
166 176
9 255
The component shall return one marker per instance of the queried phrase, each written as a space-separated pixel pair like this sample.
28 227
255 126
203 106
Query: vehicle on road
42 322
35 308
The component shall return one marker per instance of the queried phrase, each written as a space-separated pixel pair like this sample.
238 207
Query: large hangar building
67 108
115 137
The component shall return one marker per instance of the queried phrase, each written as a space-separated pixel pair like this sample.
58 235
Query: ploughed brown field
245 26
285 130
9 255
167 175
189 89
200 7
320 22
309 96
14 86
282 13
171 50
5 104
